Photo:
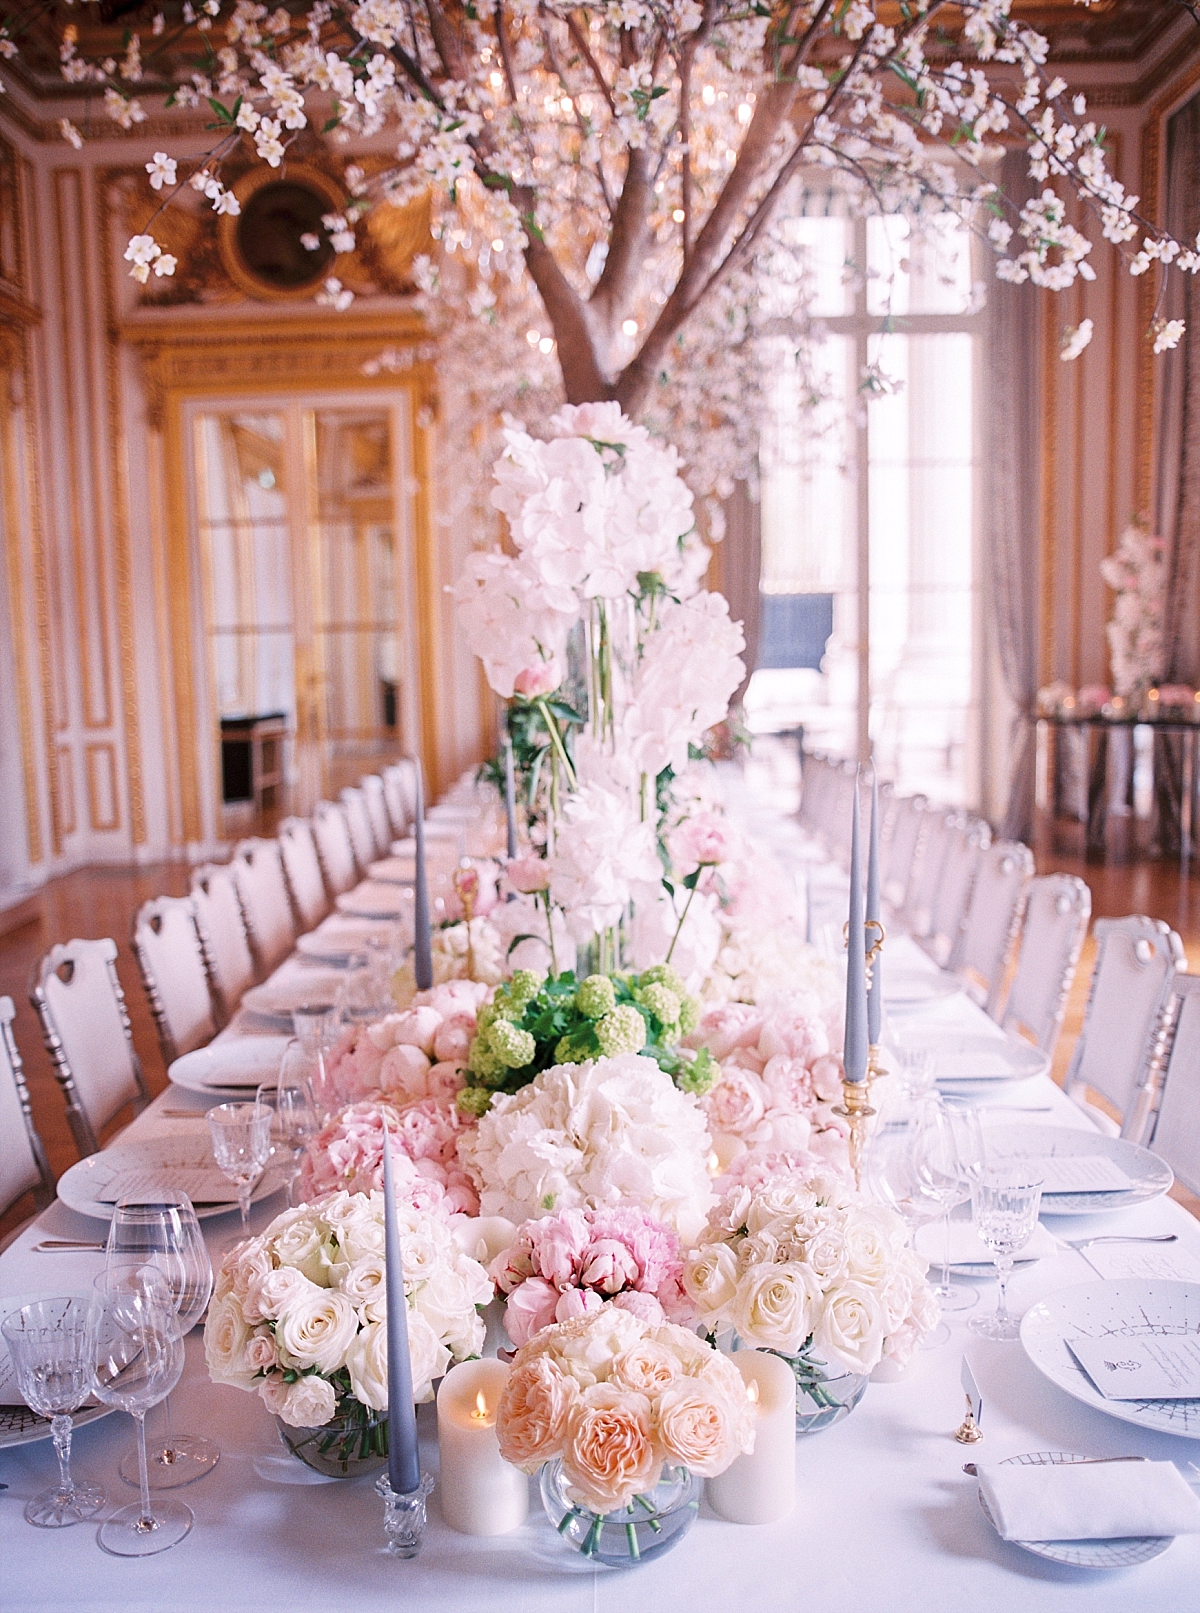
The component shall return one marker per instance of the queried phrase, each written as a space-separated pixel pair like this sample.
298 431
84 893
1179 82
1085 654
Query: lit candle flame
752 1392
481 1413
714 1164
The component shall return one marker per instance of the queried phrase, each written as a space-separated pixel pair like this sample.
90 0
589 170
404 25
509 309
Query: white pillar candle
481 1494
761 1487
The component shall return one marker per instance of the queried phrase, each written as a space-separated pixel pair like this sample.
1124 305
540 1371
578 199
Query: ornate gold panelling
13 372
104 811
66 774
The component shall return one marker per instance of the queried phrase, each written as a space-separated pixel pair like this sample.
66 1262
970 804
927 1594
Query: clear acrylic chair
993 921
175 975
266 905
910 822
1175 1129
371 786
302 870
967 839
23 1164
334 847
85 1027
916 915
396 795
222 931
1056 919
1137 959
362 835
403 773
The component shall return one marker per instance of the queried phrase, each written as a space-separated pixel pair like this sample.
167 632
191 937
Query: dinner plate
1119 1553
911 989
970 1058
178 1157
394 870
373 900
1124 1307
228 1068
19 1425
1149 1176
308 988
340 939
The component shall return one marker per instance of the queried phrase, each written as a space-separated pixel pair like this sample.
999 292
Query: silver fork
1117 1237
1084 1461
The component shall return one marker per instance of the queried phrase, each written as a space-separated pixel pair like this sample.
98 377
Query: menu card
202 1184
1148 1366
1164 1261
1080 1173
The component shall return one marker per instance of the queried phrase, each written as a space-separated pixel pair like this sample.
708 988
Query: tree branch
583 378
585 50
627 238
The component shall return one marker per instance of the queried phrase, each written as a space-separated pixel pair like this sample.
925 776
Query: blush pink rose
528 874
542 678
531 1419
530 1308
736 1103
704 840
730 1026
788 1084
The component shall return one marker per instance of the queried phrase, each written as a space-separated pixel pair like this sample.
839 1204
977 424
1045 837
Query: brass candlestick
855 1108
466 883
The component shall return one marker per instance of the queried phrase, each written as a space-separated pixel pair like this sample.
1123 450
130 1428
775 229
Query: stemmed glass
165 1234
50 1343
892 1178
947 1152
138 1360
1006 1200
241 1143
296 1118
317 1029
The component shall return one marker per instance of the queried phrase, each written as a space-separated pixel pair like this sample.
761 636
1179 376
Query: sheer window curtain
1011 534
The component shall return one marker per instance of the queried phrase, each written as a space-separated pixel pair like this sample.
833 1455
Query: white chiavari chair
302 870
911 821
917 913
362 834
222 931
23 1164
371 786
993 921
174 973
967 839
1057 910
1137 959
1176 1133
334 847
395 793
79 1001
266 906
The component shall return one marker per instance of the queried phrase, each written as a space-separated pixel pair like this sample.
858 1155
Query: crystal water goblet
296 1119
241 1144
947 1150
50 1342
1006 1200
892 1180
137 1361
164 1233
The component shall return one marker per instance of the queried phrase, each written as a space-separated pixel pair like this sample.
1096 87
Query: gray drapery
1178 470
1011 538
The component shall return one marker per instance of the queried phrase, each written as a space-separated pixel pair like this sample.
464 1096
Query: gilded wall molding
14 365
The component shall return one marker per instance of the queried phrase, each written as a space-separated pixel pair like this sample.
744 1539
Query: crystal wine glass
164 1233
892 1179
241 1143
138 1359
50 1343
1006 1200
946 1150
297 1120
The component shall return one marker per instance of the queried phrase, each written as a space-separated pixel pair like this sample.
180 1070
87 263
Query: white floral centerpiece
607 1132
800 1266
1137 573
299 1316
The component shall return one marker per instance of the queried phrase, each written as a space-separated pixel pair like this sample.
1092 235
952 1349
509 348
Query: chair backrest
1137 959
993 920
79 1001
266 906
23 1164
932 852
404 771
362 834
167 947
967 840
396 794
371 786
1056 920
1176 1134
904 848
334 847
302 870
222 931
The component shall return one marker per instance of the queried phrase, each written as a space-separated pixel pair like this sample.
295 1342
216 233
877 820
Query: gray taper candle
510 798
854 1055
404 1461
871 935
422 954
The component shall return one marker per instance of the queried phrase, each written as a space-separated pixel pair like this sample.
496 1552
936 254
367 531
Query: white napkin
1089 1501
967 1248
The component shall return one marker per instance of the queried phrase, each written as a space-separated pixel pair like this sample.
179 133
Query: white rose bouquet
299 1314
801 1267
616 1399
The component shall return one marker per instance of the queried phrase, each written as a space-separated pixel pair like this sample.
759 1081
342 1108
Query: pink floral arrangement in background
347 1153
409 1056
1136 571
572 1264
778 1080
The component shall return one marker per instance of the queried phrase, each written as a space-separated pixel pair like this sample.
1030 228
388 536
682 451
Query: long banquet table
885 1518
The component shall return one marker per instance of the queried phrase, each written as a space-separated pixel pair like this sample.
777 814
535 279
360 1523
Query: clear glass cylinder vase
350 1444
650 1525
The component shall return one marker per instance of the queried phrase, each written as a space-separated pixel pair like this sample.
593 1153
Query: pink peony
559 1245
730 1026
352 1064
404 1073
453 997
452 1042
530 1308
528 874
348 1153
542 678
573 1302
736 1104
416 1027
644 1306
826 1076
444 1082
701 841
609 1266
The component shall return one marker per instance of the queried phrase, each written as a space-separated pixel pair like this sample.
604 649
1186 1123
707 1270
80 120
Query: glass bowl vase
350 1444
650 1525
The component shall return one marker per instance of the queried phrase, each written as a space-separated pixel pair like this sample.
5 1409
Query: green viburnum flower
473 1101
689 1016
569 1052
662 974
524 986
697 1075
486 1017
511 1045
595 997
621 1031
661 1001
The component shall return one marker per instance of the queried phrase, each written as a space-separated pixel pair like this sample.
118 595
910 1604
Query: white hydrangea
604 858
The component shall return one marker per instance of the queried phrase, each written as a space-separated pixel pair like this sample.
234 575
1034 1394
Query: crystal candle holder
404 1515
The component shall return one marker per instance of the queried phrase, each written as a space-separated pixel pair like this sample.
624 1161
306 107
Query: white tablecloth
885 1522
